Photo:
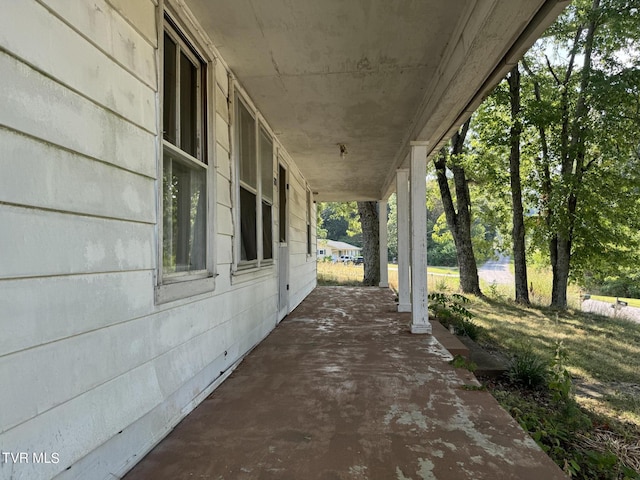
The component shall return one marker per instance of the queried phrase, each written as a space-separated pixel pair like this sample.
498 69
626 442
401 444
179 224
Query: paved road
604 308
496 271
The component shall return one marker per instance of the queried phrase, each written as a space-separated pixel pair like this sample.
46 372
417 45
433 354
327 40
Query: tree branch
553 73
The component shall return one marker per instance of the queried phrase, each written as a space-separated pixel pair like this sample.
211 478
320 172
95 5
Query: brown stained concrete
343 390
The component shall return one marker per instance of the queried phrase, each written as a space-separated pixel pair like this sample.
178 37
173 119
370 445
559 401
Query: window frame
176 285
309 235
259 127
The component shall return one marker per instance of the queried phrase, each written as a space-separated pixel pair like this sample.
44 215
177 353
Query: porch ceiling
370 74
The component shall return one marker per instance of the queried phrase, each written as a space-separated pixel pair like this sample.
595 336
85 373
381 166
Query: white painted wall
91 369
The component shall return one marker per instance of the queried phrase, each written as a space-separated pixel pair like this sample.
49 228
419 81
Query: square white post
419 311
402 194
384 244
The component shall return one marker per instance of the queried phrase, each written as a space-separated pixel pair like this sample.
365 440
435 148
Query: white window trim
310 244
244 270
173 287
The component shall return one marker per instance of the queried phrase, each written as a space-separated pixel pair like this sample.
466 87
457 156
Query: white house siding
91 368
302 265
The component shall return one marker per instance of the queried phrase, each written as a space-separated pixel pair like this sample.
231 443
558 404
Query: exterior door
283 237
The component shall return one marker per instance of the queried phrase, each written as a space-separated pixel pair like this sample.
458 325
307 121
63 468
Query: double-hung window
255 167
185 169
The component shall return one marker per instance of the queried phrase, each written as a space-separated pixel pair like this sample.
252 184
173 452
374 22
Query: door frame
283 239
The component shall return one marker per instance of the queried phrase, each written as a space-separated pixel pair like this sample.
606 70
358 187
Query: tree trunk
370 242
518 232
459 222
560 269
574 134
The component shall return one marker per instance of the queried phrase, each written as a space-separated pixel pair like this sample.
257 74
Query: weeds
528 369
452 313
559 377
460 362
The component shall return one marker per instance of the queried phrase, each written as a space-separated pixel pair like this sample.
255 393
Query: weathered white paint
36 243
110 33
141 15
419 312
69 182
384 254
36 105
402 193
24 25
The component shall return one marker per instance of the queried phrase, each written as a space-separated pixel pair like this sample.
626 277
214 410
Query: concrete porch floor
343 390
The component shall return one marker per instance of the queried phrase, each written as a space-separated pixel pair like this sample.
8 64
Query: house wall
93 370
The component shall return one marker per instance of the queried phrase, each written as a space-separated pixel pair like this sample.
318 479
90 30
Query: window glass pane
247 141
266 166
184 216
248 225
282 203
188 106
267 236
169 93
308 222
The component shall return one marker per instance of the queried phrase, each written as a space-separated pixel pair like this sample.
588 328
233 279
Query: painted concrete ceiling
370 74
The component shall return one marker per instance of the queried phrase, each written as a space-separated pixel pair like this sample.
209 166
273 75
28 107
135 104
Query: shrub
451 312
528 369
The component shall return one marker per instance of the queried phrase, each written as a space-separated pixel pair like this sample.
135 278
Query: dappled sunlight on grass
600 349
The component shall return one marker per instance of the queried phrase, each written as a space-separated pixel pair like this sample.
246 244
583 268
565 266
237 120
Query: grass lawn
603 353
633 302
338 273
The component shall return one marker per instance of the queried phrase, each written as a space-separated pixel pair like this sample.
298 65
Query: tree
459 222
339 221
368 212
585 109
392 227
518 232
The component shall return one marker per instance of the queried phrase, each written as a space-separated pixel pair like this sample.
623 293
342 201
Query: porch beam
419 312
384 244
402 195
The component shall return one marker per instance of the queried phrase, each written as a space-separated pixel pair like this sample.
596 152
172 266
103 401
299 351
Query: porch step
449 340
487 364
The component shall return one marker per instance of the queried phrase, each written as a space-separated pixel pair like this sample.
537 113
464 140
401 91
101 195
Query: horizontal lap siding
302 267
93 369
81 334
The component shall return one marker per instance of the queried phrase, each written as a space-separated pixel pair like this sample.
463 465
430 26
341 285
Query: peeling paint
426 469
400 474
358 470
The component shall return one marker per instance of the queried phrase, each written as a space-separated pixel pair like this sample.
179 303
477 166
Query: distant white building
335 249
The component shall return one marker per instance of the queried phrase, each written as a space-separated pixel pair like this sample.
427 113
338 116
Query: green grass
443 271
602 351
603 359
633 302
338 273
433 270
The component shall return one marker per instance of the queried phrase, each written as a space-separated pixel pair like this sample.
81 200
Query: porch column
402 194
384 244
419 312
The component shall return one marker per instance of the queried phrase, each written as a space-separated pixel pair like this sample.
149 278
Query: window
184 160
255 167
308 222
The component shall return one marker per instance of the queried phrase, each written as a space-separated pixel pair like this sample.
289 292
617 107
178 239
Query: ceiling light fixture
343 150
